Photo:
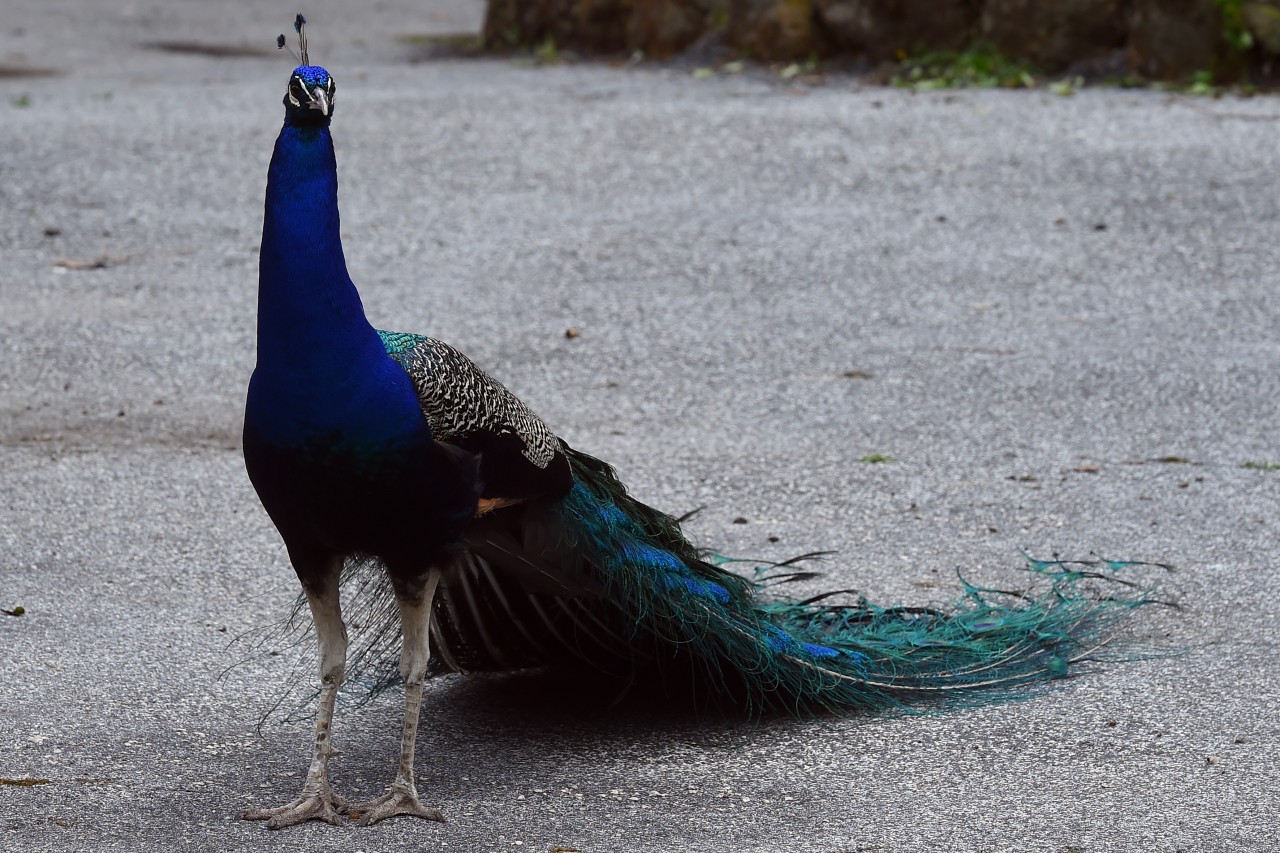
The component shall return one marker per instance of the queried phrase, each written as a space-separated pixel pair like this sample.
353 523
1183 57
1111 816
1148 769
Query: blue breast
335 440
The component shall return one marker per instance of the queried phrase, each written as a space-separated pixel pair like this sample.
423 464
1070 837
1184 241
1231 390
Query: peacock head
309 100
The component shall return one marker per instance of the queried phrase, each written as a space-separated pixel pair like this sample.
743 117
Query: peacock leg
402 797
317 800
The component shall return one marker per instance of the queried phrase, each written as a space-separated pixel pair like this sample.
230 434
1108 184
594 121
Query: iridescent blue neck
322 371
304 291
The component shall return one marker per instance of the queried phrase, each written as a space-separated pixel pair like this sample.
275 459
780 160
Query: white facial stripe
317 96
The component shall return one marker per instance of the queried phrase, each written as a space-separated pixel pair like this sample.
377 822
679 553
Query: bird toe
392 804
322 806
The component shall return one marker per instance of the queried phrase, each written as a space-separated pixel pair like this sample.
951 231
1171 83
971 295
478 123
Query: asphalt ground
1056 315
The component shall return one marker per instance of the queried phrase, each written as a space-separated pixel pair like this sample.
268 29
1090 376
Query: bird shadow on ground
513 730
523 740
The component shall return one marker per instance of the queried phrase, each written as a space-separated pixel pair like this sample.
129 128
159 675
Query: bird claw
323 805
395 802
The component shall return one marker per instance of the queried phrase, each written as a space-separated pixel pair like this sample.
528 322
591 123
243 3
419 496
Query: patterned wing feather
520 456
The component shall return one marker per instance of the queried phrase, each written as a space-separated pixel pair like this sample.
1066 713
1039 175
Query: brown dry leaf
96 264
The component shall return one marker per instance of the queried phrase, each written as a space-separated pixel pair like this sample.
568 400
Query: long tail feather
600 580
809 656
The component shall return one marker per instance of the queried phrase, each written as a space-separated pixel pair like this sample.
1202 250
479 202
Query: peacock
390 460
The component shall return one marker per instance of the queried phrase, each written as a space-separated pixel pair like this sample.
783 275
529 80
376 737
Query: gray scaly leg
402 798
317 800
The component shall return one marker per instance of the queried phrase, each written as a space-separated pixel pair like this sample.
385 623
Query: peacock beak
320 101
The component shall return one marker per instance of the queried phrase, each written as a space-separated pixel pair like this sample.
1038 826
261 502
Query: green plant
876 457
1234 31
1067 86
1202 83
547 53
981 67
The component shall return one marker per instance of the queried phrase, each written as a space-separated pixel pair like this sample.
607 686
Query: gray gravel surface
1031 303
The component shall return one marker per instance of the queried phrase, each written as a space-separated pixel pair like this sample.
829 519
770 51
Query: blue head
309 101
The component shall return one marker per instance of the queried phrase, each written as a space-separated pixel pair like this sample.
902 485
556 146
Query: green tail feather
773 652
655 610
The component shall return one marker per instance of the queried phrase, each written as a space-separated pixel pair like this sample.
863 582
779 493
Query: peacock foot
397 801
321 805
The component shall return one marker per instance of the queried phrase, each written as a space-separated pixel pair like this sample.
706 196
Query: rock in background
662 28
884 29
1262 21
1152 39
1170 39
1056 34
658 28
776 29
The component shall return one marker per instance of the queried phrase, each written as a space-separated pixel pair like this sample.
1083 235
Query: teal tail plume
735 640
599 580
